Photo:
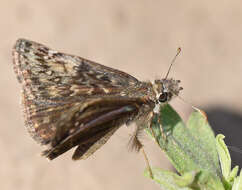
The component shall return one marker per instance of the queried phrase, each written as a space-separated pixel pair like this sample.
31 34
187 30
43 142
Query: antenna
172 61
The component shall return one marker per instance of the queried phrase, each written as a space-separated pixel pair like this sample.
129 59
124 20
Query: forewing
56 85
48 74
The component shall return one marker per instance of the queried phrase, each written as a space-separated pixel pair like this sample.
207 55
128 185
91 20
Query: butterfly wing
87 148
93 134
58 86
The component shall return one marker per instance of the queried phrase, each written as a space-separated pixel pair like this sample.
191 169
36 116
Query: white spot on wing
51 52
106 90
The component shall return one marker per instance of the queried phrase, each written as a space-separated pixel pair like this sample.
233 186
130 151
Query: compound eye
163 97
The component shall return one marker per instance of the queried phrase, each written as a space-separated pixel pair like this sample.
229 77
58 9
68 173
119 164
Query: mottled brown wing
56 86
93 134
89 111
87 148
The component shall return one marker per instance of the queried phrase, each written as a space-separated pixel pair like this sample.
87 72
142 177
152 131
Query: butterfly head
166 89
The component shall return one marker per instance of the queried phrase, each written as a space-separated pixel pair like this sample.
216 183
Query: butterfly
69 101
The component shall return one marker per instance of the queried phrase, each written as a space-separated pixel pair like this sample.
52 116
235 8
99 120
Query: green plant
202 161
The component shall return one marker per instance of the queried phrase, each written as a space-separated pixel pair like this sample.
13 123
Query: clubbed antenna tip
172 61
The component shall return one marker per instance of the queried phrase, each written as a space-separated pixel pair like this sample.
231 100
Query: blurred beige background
139 37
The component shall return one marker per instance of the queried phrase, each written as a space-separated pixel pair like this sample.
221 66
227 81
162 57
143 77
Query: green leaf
208 181
233 173
171 181
189 148
204 136
224 156
238 182
188 181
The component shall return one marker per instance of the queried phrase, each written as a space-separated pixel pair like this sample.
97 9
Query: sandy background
139 37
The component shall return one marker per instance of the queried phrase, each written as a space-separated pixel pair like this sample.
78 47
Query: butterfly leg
135 144
147 162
